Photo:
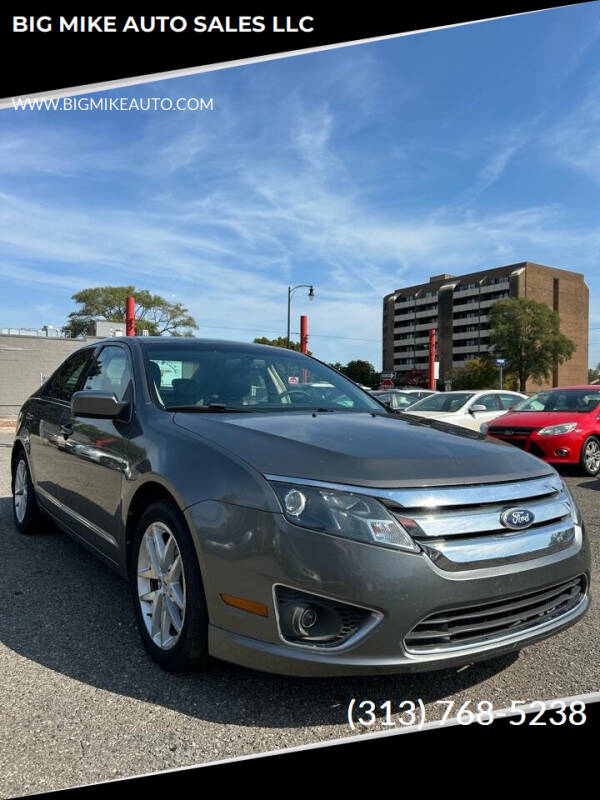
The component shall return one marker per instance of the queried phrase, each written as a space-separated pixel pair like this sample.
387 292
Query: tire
26 512
169 600
590 456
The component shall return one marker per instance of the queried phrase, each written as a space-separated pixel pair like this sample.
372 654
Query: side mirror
477 407
98 404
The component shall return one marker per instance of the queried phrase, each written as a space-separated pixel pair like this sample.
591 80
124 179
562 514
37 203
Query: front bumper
559 449
245 553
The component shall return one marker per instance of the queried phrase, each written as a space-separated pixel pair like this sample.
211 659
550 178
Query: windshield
579 401
448 402
222 377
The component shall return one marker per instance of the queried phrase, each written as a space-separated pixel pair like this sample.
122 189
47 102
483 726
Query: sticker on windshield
168 371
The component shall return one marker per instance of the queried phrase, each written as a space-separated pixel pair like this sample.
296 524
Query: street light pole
291 290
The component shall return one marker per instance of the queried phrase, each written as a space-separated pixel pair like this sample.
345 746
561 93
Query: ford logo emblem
517 518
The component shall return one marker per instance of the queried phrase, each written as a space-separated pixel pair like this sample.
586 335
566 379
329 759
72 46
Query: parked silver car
293 530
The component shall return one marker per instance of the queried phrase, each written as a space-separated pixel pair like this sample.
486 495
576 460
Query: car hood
363 449
536 419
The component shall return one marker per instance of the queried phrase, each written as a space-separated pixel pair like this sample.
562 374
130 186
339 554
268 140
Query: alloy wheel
591 456
161 585
20 491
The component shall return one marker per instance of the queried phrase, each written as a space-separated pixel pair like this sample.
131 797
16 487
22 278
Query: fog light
309 619
303 619
310 623
562 451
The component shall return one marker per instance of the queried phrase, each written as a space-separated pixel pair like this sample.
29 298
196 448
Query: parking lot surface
82 702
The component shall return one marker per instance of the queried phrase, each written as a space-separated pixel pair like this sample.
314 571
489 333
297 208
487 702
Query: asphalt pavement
81 701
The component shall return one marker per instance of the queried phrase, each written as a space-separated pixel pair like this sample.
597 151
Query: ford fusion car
309 534
562 426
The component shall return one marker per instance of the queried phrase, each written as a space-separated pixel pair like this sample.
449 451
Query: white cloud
575 140
222 216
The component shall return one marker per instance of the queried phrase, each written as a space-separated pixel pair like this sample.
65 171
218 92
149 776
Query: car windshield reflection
578 401
202 378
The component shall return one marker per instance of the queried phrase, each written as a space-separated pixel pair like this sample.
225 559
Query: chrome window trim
43 399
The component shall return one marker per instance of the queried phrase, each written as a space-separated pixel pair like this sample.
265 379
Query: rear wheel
168 594
26 513
590 456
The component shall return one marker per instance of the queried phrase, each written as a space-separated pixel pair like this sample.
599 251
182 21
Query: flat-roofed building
457 307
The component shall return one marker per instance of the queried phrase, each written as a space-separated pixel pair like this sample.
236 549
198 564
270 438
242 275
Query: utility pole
130 316
432 358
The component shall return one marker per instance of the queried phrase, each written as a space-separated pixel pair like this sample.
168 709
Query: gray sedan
289 530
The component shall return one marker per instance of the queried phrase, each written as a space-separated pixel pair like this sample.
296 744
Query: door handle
66 430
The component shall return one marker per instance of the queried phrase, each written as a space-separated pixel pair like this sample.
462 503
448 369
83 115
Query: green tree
337 365
280 341
481 373
362 372
152 312
527 334
594 374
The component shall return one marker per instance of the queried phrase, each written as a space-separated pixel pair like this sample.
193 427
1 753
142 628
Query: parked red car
562 426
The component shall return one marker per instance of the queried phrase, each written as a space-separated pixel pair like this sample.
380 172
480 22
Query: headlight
353 516
553 430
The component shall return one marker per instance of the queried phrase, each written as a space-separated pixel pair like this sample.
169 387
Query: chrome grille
432 497
460 527
470 625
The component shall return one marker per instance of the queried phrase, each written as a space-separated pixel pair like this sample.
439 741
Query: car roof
191 341
584 386
482 391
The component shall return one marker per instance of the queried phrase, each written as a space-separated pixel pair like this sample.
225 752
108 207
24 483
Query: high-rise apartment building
457 307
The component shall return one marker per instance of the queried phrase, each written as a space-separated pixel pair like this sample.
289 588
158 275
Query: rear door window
66 378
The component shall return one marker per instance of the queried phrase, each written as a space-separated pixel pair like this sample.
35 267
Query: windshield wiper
212 407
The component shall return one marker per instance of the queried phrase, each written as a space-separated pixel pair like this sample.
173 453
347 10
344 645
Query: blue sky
359 169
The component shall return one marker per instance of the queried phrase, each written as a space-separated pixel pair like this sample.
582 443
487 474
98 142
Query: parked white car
469 409
400 399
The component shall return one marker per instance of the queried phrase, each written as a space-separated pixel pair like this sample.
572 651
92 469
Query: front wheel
168 594
590 456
